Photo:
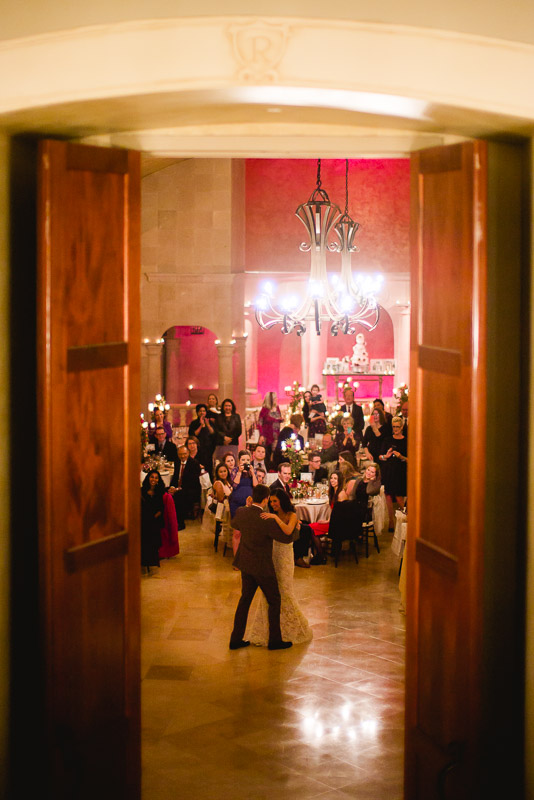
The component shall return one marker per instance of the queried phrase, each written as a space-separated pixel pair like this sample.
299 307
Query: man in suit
165 448
329 452
254 558
301 545
259 459
185 487
352 408
318 472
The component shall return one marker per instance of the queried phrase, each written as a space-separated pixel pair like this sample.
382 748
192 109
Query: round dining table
313 510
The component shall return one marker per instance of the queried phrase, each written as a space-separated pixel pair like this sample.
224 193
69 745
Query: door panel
447 471
88 393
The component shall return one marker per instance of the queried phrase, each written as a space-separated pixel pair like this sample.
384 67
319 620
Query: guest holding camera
347 438
243 482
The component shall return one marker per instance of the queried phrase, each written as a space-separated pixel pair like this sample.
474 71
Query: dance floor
320 720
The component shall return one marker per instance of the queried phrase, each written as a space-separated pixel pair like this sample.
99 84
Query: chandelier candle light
341 301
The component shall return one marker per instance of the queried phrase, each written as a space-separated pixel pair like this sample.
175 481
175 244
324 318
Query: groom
255 560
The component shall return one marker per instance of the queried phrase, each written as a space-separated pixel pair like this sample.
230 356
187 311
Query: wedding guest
229 460
228 428
213 412
243 482
306 407
347 517
336 482
255 560
259 458
152 520
293 623
295 423
329 452
375 432
164 448
317 412
203 429
404 415
222 489
284 478
379 403
348 466
352 408
185 487
318 472
346 437
158 420
269 421
260 474
394 461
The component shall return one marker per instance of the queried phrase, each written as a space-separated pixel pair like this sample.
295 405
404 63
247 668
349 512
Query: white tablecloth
313 512
399 537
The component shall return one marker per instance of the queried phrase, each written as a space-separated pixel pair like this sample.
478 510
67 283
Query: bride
293 623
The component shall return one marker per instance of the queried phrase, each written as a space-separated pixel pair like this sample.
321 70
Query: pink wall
378 200
279 362
198 362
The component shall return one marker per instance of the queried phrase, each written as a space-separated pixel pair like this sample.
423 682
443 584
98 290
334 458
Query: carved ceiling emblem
259 48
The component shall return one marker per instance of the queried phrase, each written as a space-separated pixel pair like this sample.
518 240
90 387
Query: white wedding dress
293 623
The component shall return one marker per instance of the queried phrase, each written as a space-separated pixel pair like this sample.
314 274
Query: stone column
153 371
400 316
240 395
226 374
173 385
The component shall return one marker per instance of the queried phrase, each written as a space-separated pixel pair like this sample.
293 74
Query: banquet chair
344 526
368 529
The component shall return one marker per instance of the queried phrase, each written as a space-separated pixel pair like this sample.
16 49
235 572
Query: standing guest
379 403
352 408
269 421
213 411
152 491
306 408
259 458
222 489
346 437
185 487
318 472
164 448
374 434
394 461
293 623
229 429
295 423
317 412
329 452
404 415
243 482
159 421
203 428
255 560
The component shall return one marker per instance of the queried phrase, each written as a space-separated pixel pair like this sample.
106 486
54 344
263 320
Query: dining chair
368 529
343 527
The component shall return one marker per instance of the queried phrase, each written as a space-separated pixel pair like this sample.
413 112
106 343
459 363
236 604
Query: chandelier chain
319 182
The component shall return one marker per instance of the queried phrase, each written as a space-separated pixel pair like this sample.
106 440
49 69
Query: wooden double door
88 346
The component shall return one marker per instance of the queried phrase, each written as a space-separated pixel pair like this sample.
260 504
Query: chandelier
341 301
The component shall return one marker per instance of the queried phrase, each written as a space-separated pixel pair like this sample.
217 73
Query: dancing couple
265 558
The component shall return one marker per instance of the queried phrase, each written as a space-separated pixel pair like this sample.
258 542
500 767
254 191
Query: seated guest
204 430
229 429
259 458
269 421
374 434
378 403
284 478
318 472
329 451
346 437
260 474
164 448
192 445
348 466
295 423
347 517
244 481
355 411
185 487
158 420
334 490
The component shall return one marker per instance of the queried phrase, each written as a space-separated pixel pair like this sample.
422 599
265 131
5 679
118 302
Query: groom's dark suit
254 558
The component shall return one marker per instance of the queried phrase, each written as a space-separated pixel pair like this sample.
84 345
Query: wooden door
88 481
446 487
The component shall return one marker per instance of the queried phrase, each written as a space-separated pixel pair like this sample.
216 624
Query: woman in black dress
394 460
346 438
204 429
374 435
317 413
229 429
152 520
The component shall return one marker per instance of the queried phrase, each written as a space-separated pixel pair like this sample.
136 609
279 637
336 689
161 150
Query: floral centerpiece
401 396
296 394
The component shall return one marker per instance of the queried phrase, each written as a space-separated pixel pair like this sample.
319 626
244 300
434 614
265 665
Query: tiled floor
322 720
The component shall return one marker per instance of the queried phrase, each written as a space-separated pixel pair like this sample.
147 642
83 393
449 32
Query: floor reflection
319 720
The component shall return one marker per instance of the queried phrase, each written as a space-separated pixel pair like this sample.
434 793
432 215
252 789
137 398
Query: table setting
311 501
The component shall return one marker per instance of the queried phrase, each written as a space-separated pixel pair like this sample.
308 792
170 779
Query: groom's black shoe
237 645
280 645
